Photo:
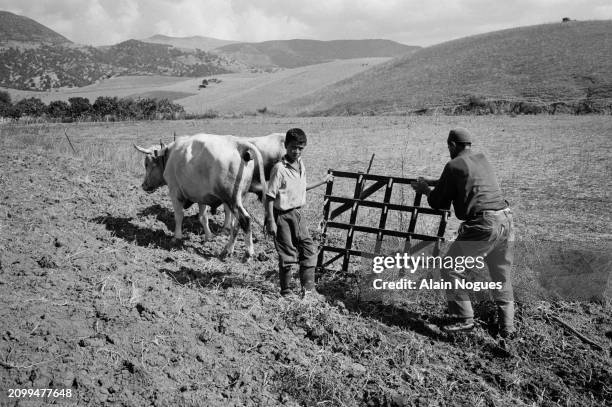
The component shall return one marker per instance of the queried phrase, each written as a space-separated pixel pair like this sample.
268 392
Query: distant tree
5 103
5 97
79 106
58 109
127 109
14 112
105 106
31 107
147 107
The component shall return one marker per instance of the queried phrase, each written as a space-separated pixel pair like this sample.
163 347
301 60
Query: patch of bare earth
95 298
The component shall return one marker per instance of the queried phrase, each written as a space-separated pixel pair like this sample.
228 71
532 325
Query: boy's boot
286 276
307 278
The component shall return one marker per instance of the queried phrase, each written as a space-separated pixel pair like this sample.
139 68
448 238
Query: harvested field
95 298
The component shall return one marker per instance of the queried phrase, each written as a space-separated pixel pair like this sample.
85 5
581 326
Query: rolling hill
15 28
47 67
35 57
546 64
296 53
233 93
194 42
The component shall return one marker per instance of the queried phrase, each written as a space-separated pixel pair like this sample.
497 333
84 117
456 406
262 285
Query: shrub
58 109
31 107
476 101
14 112
79 106
5 102
105 106
127 109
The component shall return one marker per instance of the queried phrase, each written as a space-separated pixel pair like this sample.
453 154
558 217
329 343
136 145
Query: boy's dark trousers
295 247
490 235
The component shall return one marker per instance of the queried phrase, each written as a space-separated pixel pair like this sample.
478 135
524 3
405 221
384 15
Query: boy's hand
328 178
271 227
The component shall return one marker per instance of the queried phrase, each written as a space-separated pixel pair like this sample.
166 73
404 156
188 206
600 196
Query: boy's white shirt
287 185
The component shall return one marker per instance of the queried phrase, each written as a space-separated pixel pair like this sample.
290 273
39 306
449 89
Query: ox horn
143 150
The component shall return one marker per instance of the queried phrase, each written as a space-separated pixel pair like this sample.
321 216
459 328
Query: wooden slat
385 232
381 178
382 205
353 218
326 205
383 215
333 259
366 193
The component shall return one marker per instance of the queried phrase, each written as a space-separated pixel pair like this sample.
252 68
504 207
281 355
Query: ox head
155 163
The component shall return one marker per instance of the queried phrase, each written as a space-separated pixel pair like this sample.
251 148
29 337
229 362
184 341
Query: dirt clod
46 262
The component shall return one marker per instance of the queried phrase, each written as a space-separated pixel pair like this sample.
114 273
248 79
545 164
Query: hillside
295 53
234 93
35 57
194 42
23 29
542 64
53 66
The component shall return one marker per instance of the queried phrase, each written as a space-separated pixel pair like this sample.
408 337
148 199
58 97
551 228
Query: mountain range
557 67
194 42
37 58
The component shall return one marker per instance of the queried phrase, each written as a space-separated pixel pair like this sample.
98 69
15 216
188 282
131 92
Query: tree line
104 108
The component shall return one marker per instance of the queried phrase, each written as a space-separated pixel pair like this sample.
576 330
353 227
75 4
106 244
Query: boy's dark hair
296 135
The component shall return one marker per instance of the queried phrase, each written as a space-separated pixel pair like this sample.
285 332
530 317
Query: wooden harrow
360 199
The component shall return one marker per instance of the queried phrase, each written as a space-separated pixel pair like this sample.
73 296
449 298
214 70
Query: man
469 183
286 195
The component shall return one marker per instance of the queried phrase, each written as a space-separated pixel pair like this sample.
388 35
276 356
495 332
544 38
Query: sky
106 22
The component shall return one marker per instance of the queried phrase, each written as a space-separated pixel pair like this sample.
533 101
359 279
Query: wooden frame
359 199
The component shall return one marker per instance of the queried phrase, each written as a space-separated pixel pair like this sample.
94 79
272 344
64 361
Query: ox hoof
226 231
247 256
176 241
208 238
225 254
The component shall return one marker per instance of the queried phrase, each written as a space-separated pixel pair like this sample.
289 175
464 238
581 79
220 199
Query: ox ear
143 150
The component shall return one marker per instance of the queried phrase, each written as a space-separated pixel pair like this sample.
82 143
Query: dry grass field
236 93
94 297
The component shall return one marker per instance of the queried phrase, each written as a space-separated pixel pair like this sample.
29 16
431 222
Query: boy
286 195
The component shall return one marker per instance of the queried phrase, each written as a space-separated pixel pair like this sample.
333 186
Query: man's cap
459 135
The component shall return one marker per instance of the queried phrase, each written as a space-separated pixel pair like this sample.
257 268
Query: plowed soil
94 297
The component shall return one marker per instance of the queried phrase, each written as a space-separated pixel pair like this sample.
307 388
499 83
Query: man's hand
271 227
420 186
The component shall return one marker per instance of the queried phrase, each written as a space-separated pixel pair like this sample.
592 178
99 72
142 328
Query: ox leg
244 221
178 219
228 224
203 218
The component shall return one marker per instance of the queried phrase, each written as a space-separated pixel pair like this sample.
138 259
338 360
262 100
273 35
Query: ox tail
251 152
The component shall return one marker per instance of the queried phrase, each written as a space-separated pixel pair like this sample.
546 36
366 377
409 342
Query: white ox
271 148
210 170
